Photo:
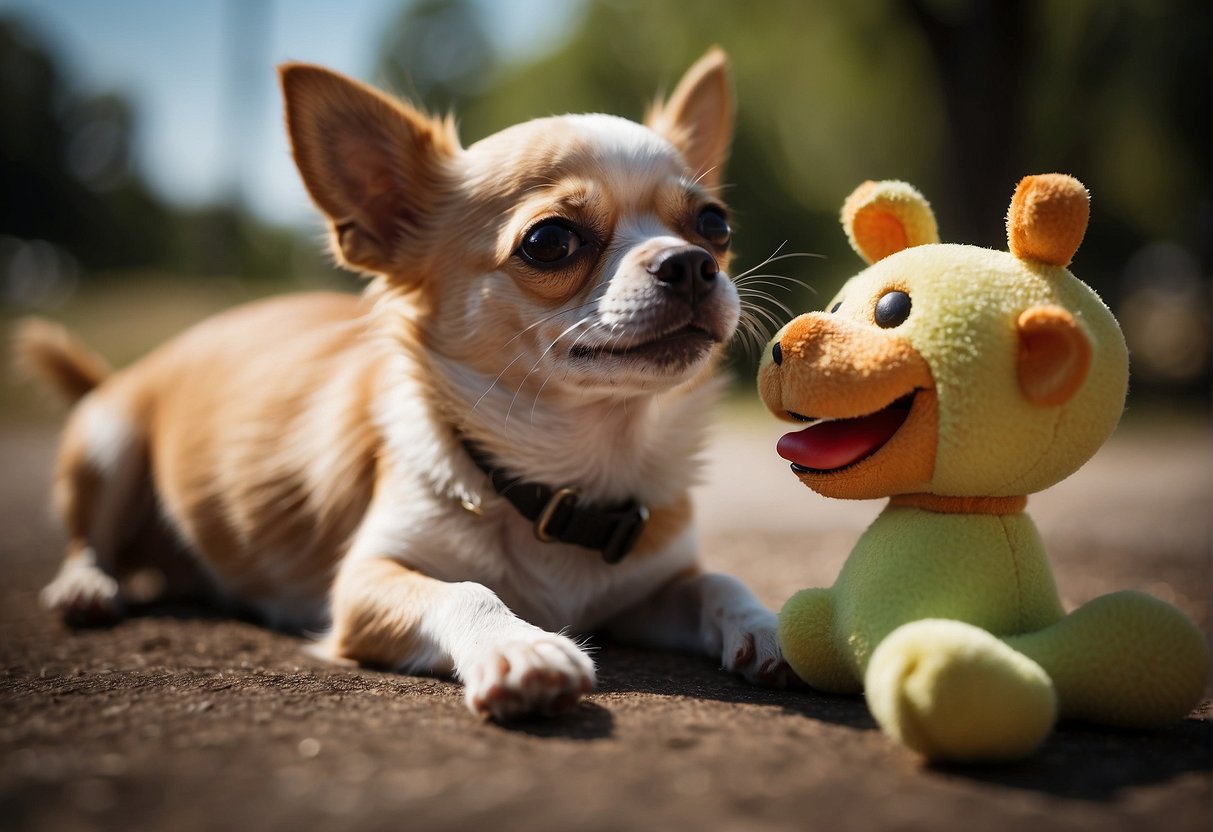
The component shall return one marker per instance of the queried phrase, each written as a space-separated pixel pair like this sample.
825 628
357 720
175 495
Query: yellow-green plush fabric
987 678
987 570
966 300
946 614
953 691
1124 659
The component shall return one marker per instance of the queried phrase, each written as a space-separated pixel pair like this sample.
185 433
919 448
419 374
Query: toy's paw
806 636
1123 659
83 594
952 691
537 673
751 648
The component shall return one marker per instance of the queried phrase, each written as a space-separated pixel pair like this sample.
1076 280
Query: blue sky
179 61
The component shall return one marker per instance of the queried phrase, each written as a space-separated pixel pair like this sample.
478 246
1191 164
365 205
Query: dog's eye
714 228
549 242
892 309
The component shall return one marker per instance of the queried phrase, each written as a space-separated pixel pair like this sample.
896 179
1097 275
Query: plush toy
956 380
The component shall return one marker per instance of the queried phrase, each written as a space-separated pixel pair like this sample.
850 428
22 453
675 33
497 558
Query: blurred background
145 180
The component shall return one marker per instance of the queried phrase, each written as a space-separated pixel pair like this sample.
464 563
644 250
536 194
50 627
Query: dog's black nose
690 273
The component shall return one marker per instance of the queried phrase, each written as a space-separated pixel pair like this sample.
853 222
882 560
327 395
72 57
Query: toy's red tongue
832 445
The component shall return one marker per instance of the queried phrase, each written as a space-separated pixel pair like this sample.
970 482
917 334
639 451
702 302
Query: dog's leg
714 615
386 614
99 488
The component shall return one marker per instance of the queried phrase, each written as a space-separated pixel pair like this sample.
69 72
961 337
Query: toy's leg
806 638
952 691
1123 659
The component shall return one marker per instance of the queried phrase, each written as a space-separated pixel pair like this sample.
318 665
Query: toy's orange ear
882 218
1054 355
1048 218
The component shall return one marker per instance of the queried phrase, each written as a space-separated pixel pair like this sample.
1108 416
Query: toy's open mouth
830 445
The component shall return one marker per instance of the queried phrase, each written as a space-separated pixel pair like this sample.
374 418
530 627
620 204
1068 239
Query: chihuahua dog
490 449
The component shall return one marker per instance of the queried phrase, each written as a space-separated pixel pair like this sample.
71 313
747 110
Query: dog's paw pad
539 674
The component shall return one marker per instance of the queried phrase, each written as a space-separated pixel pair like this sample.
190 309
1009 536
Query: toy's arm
809 644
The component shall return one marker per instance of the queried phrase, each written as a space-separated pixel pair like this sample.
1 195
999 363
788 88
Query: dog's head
581 252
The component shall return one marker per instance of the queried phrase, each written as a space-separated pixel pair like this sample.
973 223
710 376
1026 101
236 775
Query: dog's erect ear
375 166
698 117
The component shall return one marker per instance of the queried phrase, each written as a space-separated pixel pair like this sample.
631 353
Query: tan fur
309 450
665 524
376 612
703 94
51 353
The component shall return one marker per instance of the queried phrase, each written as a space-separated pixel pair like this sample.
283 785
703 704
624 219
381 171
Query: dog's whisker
700 176
754 344
544 320
493 384
766 314
780 305
775 258
748 338
538 361
769 258
754 327
539 392
548 182
778 254
754 292
762 299
752 323
774 280
518 335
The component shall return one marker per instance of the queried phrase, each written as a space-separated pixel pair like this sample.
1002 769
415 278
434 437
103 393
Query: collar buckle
559 497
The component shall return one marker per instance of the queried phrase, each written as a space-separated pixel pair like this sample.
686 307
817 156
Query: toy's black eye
777 353
714 228
549 242
892 309
835 307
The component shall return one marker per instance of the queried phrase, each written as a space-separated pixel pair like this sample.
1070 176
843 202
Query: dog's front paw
83 594
539 673
750 647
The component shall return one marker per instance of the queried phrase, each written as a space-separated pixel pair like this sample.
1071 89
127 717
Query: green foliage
960 97
64 164
68 181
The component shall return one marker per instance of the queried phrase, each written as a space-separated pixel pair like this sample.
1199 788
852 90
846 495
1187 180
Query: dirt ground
181 720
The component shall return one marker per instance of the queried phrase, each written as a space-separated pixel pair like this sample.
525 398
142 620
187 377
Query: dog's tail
53 355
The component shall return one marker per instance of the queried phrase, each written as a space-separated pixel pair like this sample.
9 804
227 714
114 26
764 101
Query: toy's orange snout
877 395
834 369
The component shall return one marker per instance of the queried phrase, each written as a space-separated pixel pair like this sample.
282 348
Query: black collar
560 517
